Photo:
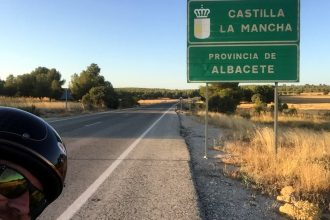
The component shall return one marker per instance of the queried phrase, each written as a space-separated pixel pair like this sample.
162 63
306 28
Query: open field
306 99
310 108
43 106
156 101
302 102
47 108
312 104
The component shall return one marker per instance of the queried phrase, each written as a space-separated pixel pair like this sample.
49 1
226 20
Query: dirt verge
221 197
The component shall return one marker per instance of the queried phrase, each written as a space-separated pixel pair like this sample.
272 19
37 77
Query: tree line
298 89
225 97
89 87
41 82
94 91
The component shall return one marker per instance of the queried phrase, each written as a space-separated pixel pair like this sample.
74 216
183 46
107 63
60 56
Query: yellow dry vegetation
156 101
302 161
297 209
302 210
42 104
303 103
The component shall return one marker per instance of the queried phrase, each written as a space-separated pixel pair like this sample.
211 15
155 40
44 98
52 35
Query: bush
100 97
256 98
128 101
284 106
291 111
327 114
224 104
87 103
245 114
260 107
32 110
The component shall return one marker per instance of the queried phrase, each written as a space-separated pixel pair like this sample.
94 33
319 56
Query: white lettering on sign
252 28
229 29
233 56
266 28
270 56
246 69
256 13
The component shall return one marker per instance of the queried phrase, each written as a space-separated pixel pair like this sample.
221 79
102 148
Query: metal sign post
181 104
206 119
244 41
66 99
275 116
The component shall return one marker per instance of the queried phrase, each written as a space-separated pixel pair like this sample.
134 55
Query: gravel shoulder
220 197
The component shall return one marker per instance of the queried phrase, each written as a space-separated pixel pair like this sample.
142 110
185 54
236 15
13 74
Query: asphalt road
126 164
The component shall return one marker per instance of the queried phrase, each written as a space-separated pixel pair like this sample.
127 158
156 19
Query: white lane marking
93 124
82 199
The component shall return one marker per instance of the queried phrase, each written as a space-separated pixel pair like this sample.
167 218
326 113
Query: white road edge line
82 199
93 124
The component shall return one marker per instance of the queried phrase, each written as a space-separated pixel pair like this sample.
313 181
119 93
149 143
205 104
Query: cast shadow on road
123 125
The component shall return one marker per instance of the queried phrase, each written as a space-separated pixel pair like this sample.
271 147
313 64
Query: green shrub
32 110
224 104
291 111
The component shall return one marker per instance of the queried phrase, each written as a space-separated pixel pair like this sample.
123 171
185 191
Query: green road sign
243 63
243 40
243 21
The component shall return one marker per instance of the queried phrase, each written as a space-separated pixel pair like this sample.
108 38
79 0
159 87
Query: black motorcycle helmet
30 142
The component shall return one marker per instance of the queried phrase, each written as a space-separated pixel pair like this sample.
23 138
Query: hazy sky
135 43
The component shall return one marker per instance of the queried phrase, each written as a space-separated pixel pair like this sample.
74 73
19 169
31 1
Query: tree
246 94
215 88
259 104
93 89
42 87
54 78
224 97
224 104
266 92
25 85
101 96
87 79
48 82
2 84
10 86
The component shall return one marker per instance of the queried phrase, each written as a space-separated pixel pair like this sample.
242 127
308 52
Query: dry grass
303 159
241 128
313 114
156 101
46 107
303 103
320 121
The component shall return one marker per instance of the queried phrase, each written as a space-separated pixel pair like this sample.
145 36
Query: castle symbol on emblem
202 23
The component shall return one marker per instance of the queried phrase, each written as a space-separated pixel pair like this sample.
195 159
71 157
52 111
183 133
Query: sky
135 43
